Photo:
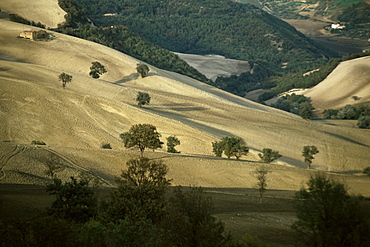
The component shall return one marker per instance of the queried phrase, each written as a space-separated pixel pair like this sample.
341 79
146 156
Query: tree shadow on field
132 77
187 121
178 107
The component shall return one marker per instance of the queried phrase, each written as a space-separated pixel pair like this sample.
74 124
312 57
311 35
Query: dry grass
47 12
213 66
89 112
74 122
350 78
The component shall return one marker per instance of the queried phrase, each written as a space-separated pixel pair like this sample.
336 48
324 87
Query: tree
364 122
347 112
328 216
366 171
230 146
97 69
142 69
140 193
261 175
305 110
75 200
142 136
143 99
234 146
218 148
268 155
172 141
189 222
53 165
308 153
64 78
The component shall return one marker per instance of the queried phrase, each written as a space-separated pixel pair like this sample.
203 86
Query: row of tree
297 104
360 113
146 136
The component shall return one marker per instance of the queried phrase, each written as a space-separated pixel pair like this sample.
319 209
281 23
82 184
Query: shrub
172 141
36 142
366 171
106 146
364 122
268 155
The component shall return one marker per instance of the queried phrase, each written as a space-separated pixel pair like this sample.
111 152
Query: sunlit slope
47 12
91 111
350 78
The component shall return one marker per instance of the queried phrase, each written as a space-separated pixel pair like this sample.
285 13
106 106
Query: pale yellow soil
350 78
76 120
47 12
213 66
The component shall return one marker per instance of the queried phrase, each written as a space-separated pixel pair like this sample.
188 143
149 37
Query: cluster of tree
75 14
360 113
357 20
297 104
329 216
20 19
141 211
230 146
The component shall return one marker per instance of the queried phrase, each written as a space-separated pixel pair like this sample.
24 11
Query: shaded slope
89 111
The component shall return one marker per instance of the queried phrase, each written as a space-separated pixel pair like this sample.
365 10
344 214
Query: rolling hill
75 121
350 78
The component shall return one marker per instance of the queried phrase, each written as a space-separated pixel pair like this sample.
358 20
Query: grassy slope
75 121
348 79
35 11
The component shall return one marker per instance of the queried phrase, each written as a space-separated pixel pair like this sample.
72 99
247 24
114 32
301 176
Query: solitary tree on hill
142 69
64 78
143 99
141 191
261 175
172 141
268 155
97 69
142 136
308 153
230 146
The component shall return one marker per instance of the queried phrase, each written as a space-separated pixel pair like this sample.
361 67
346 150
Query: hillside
209 27
350 78
75 121
45 11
